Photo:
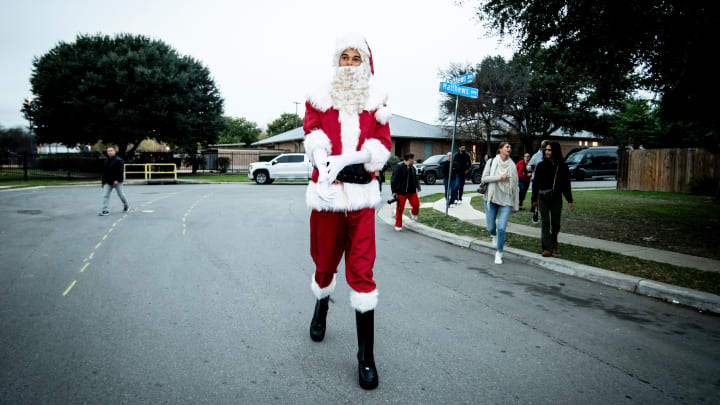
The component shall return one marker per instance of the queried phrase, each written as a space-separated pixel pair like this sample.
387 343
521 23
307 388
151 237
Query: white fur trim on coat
320 98
379 154
314 140
321 293
363 302
349 131
348 197
377 96
383 114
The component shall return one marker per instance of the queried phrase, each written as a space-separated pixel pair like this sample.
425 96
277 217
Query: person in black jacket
405 187
112 177
464 162
447 183
551 182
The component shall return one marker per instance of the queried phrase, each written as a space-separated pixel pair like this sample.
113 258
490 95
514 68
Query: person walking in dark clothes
405 187
550 183
113 175
464 162
450 184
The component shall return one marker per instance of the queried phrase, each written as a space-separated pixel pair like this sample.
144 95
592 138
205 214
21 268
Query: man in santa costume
347 138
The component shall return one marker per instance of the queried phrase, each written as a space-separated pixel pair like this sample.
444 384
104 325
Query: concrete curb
668 292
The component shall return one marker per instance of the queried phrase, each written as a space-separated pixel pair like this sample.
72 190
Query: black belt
354 174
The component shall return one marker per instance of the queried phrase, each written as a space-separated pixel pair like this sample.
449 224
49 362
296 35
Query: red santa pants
414 203
351 233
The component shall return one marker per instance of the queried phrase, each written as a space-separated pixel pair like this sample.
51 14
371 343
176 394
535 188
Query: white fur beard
349 88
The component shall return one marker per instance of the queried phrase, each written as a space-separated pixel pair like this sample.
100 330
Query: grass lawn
431 197
15 180
677 222
238 178
666 273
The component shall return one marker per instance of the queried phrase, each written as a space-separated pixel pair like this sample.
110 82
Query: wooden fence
670 170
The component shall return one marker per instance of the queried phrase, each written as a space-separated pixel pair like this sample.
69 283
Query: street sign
452 86
464 79
458 90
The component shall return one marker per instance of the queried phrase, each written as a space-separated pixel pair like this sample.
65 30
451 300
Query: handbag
482 189
548 194
355 174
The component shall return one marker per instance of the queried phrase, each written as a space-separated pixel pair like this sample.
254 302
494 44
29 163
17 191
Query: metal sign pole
448 191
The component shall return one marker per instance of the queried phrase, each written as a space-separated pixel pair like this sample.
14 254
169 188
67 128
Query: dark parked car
429 170
476 170
594 162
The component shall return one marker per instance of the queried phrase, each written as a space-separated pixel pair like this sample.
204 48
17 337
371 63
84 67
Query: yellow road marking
114 224
91 256
84 267
69 288
98 245
105 237
111 229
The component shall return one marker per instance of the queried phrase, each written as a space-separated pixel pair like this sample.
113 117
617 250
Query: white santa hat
356 42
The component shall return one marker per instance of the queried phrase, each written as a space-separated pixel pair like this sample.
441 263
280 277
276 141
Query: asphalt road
129 309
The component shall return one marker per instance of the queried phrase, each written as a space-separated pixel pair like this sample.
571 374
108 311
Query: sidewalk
668 292
466 212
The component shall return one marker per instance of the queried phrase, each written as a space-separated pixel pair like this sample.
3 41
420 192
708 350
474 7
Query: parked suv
587 163
429 170
288 166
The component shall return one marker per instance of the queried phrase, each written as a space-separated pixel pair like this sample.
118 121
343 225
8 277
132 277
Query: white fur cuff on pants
321 293
363 302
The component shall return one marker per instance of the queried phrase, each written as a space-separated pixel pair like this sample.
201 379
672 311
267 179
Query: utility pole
296 106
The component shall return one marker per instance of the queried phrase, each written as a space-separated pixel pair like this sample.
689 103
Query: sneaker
104 213
414 217
498 257
535 218
126 209
398 228
494 241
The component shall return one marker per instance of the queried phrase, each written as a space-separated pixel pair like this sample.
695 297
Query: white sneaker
498 257
414 217
398 229
494 241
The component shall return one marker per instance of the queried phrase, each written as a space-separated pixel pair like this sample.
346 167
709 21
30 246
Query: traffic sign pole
452 86
448 190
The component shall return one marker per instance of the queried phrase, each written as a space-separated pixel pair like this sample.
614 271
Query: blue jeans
501 214
453 188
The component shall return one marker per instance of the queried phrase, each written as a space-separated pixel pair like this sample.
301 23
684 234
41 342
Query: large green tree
121 90
239 130
524 98
616 47
284 123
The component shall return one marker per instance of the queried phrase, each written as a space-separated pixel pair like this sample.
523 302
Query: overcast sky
263 55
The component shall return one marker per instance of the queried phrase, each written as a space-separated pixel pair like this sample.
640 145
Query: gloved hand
337 163
324 190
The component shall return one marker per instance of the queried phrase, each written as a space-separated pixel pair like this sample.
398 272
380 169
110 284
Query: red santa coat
337 132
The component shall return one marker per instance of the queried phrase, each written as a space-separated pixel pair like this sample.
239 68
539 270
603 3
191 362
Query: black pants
550 221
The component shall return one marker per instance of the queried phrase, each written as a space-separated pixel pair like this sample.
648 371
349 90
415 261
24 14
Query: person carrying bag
550 184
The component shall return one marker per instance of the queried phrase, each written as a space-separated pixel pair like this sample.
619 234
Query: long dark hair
557 155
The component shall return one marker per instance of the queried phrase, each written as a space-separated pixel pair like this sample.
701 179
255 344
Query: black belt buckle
355 174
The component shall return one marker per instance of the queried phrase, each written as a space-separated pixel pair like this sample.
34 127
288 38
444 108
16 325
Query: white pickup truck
288 166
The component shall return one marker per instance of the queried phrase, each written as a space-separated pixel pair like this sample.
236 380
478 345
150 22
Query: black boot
317 325
368 374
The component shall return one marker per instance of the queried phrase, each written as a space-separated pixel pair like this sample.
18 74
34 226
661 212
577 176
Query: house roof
400 127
